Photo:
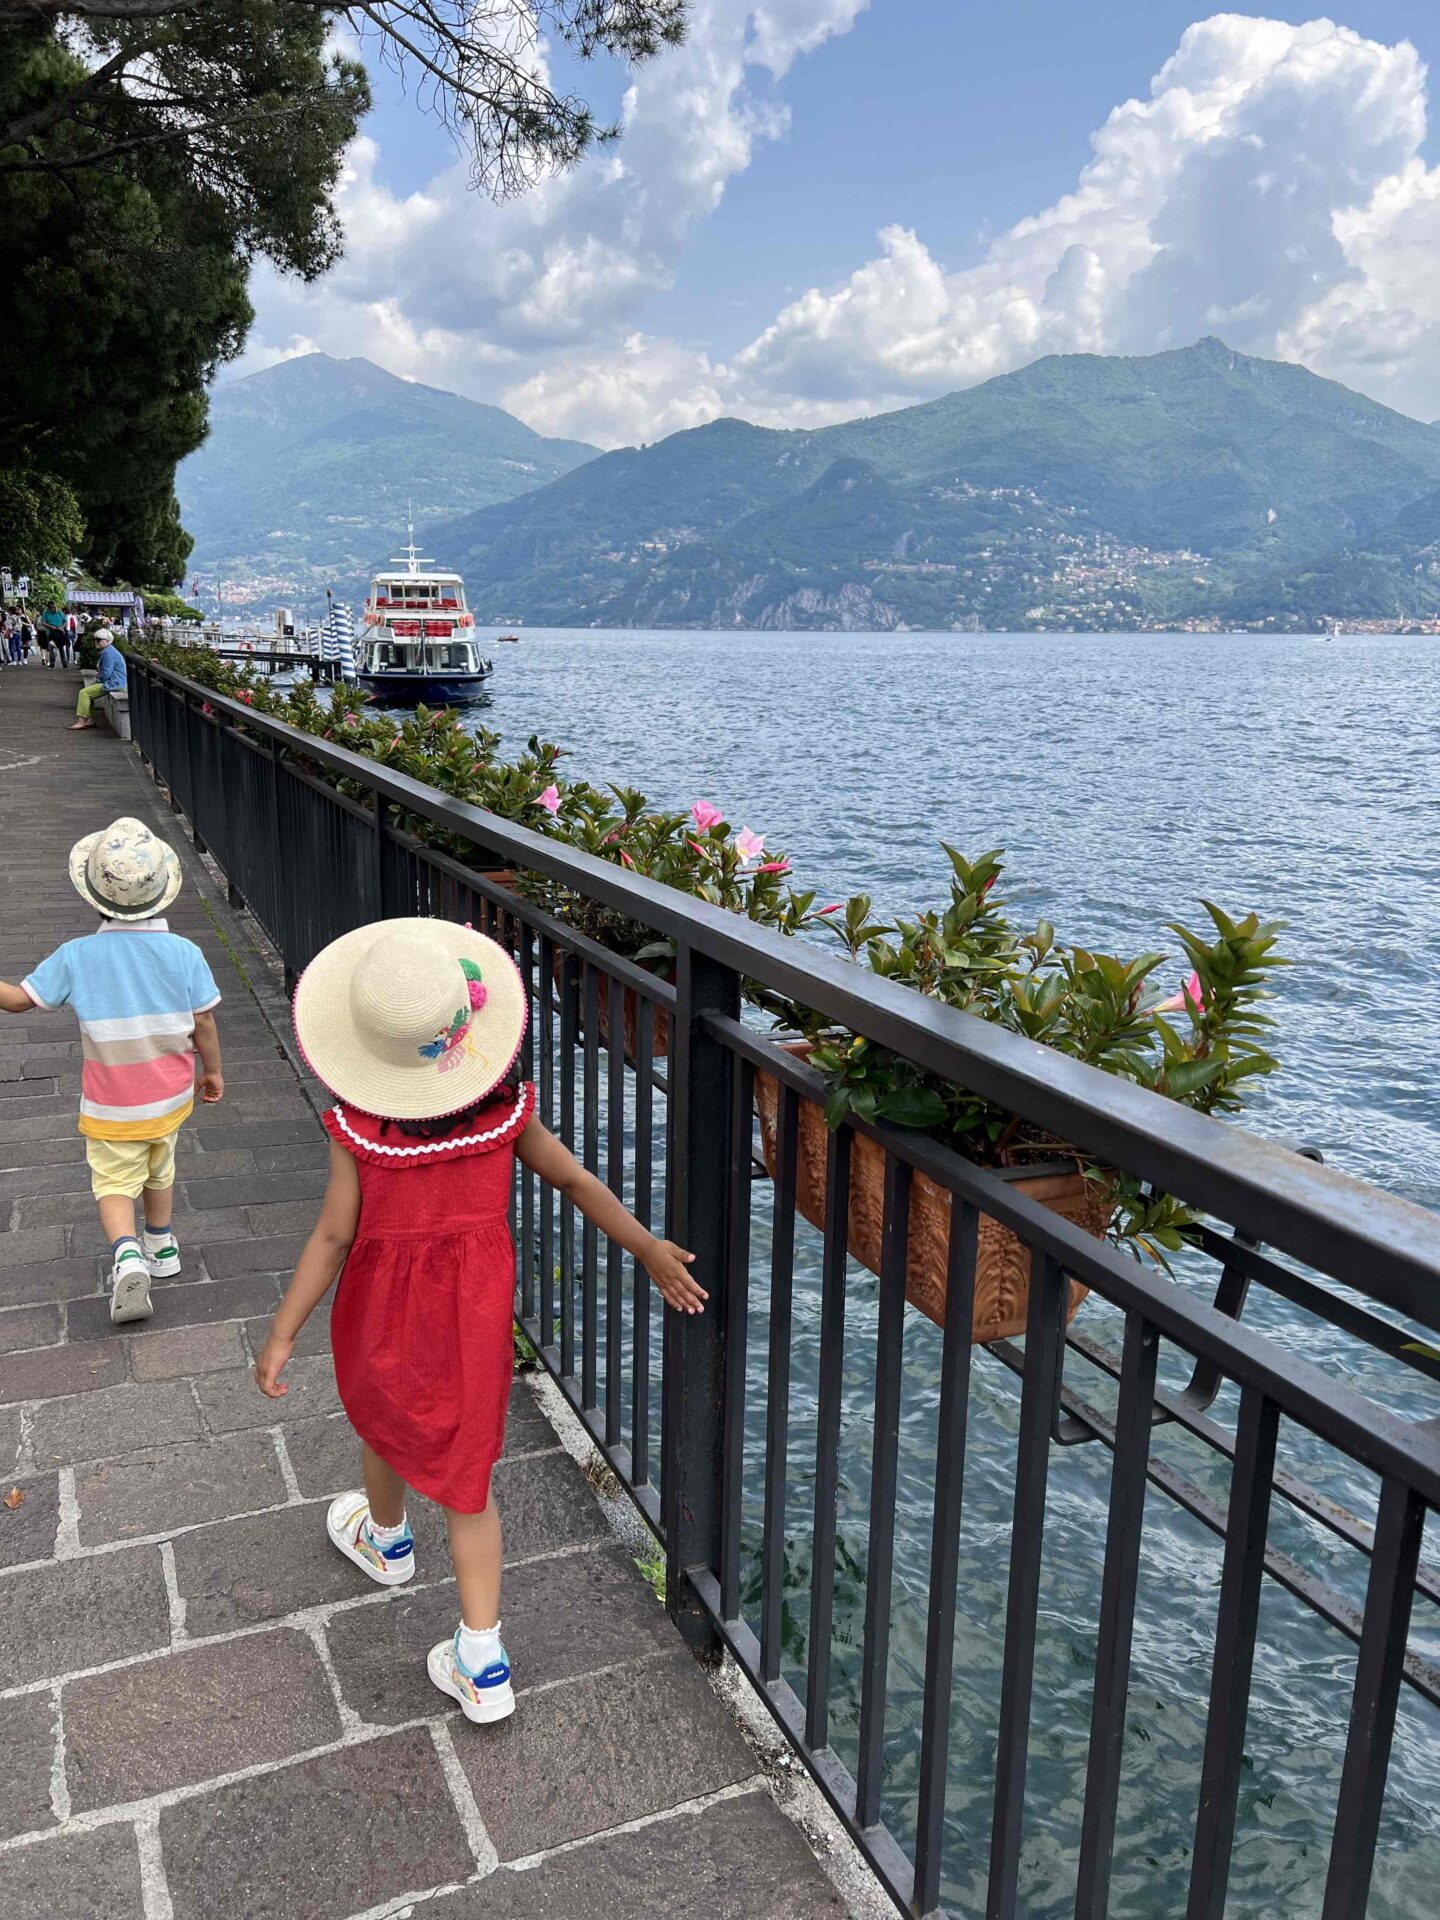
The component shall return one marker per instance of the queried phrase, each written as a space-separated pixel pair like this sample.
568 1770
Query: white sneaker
484 1697
162 1256
130 1286
348 1525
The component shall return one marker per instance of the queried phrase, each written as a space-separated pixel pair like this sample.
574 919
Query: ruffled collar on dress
361 1134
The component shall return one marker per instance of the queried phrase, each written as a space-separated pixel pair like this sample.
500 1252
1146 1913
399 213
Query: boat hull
429 689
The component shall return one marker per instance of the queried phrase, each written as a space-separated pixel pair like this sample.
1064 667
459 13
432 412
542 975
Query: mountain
1081 491
1390 575
305 478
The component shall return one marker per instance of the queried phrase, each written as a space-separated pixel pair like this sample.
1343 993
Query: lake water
1127 776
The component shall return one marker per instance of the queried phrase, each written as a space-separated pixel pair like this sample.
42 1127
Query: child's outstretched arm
666 1263
315 1271
14 999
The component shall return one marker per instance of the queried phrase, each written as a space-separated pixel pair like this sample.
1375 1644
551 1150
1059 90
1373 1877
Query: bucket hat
126 871
411 1019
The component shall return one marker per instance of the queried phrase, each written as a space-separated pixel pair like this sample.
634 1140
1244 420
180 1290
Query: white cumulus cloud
1269 187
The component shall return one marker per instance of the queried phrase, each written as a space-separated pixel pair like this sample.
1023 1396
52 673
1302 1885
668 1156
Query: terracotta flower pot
629 1019
1002 1263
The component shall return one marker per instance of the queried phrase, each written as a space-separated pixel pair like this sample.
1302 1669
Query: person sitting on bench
113 678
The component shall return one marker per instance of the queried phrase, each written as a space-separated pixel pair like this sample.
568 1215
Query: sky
826 208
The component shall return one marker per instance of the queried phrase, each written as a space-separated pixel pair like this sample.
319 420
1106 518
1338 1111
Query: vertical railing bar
884 1464
737 1319
568 968
545 1009
828 1409
777 1393
695 1365
945 1549
527 1178
1037 1396
1399 1531
640 1278
614 1252
1242 1575
590 1154
1133 1424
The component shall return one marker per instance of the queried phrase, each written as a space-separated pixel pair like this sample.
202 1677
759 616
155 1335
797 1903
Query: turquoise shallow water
1126 776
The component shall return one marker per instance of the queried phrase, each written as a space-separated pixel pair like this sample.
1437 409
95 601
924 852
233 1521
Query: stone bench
112 708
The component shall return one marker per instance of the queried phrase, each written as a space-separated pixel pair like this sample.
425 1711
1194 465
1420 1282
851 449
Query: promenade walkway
204 1710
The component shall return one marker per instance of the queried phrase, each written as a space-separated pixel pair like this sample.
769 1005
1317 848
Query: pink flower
478 995
749 845
396 741
773 866
352 720
550 798
837 908
207 709
247 696
626 858
1191 991
705 816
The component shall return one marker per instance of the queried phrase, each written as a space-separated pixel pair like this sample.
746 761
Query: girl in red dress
415 1025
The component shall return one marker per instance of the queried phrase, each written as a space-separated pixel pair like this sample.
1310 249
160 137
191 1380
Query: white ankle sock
387 1536
479 1646
157 1236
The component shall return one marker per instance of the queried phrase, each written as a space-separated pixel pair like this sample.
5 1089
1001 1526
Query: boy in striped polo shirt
145 999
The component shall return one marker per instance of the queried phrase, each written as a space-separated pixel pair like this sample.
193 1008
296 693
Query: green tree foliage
128 263
150 150
40 524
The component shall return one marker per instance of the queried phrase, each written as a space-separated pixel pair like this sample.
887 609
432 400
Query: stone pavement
204 1710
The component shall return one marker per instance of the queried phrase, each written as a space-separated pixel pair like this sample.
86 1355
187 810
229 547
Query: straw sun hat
411 1019
125 870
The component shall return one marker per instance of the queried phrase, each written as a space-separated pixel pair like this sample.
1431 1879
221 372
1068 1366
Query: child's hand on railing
666 1264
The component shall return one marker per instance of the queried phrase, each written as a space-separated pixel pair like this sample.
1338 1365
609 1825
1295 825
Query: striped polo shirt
136 989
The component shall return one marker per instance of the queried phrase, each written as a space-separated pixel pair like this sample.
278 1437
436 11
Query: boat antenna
412 556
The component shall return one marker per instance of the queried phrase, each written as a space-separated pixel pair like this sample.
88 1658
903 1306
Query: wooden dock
205 1711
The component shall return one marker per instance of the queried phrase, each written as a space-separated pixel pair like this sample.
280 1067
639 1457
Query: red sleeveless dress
421 1323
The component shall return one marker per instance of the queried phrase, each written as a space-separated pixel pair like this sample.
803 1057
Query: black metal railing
1315 1480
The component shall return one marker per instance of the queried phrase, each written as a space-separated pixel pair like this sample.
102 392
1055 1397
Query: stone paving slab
194 1715
740 1857
25 1286
80 1876
337 1835
649 1738
28 1726
27 1531
56 1371
204 1709
73 1614
171 1487
95 1426
23 1328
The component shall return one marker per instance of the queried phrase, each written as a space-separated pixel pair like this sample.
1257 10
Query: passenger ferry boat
418 639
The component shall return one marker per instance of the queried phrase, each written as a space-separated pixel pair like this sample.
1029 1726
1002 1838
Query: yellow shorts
126 1167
